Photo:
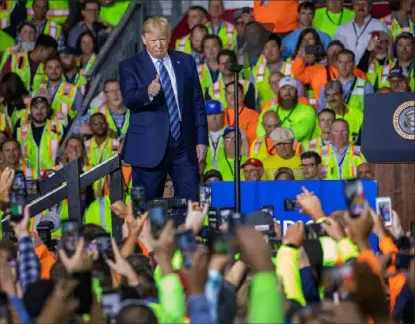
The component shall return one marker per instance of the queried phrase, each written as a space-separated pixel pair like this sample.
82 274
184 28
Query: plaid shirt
29 266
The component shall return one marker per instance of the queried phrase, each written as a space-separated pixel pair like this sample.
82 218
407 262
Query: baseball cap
396 72
212 174
282 135
284 170
228 130
253 162
261 221
238 13
287 81
213 107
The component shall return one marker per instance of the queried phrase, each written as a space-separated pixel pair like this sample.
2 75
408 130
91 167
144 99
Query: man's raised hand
154 87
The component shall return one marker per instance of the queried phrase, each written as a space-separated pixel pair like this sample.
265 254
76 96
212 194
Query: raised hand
154 87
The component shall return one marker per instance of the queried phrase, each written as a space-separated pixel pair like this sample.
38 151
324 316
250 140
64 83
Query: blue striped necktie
170 100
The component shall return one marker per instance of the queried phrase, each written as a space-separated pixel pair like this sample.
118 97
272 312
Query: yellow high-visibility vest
5 12
58 11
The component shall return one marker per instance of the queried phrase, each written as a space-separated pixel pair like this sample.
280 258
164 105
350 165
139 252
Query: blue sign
256 194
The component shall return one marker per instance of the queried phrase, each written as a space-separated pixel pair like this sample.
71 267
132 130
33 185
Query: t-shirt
274 162
328 21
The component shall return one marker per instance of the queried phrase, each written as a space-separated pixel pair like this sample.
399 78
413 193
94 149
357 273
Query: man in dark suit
168 131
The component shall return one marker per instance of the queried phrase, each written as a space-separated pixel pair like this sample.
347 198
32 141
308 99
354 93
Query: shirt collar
155 60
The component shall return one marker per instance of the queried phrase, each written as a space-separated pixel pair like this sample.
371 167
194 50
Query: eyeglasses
98 122
309 165
229 139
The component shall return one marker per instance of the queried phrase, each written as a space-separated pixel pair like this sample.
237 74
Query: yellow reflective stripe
330 254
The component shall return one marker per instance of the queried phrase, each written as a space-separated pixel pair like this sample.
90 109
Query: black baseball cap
261 221
212 174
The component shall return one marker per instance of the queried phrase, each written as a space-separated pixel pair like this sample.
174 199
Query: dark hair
311 155
85 2
227 52
26 23
97 114
10 246
405 35
34 1
240 87
347 52
199 26
129 315
200 9
9 140
210 36
276 38
53 58
79 40
90 231
14 91
110 81
307 5
38 99
302 35
327 110
46 41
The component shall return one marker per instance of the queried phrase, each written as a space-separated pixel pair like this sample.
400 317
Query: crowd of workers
301 107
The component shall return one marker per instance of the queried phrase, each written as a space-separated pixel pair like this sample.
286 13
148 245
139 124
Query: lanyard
349 94
215 146
288 116
363 31
331 20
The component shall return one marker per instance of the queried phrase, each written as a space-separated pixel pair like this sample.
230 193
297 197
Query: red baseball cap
254 162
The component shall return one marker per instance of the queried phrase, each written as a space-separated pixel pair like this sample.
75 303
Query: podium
388 134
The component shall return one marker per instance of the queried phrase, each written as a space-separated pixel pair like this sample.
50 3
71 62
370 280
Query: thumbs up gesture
154 87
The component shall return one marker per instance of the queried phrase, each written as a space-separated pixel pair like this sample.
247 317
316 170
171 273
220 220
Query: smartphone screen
205 195
104 246
403 260
19 183
158 219
214 218
186 242
138 201
70 236
32 187
355 197
222 245
111 303
317 50
17 205
291 204
268 209
384 209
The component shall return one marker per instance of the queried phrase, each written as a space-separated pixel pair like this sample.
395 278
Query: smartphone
316 50
403 260
355 197
19 183
268 209
205 195
111 301
104 246
222 244
186 242
70 236
225 213
384 209
336 276
17 206
214 218
291 204
138 201
313 231
376 34
158 219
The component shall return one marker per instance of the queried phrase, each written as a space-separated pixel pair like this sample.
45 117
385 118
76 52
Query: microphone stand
237 163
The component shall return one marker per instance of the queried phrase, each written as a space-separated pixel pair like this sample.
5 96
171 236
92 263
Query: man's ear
144 38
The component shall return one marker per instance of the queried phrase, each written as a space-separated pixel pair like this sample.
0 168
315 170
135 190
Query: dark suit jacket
148 134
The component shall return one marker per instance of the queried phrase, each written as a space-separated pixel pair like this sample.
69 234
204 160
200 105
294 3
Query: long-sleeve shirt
20 309
29 267
199 310
212 291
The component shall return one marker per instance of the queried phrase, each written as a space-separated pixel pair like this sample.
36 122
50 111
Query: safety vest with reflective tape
58 10
5 123
217 90
52 29
20 64
88 67
97 155
227 33
395 29
357 96
64 98
330 168
226 166
5 12
42 157
9 51
212 155
183 44
55 115
261 148
314 145
106 111
99 213
378 74
114 13
204 77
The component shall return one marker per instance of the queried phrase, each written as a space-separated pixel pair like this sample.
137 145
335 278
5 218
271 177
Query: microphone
50 222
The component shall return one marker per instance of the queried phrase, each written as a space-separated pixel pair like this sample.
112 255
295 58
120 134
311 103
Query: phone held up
384 209
70 236
355 197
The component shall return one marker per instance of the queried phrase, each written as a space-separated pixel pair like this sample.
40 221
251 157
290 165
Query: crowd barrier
256 194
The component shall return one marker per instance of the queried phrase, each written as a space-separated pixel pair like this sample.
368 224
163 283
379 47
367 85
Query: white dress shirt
169 67
357 38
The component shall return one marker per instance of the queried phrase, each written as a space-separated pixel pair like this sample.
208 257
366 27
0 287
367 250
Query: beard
27 46
288 103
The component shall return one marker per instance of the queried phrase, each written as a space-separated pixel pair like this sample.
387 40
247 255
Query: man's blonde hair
155 23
